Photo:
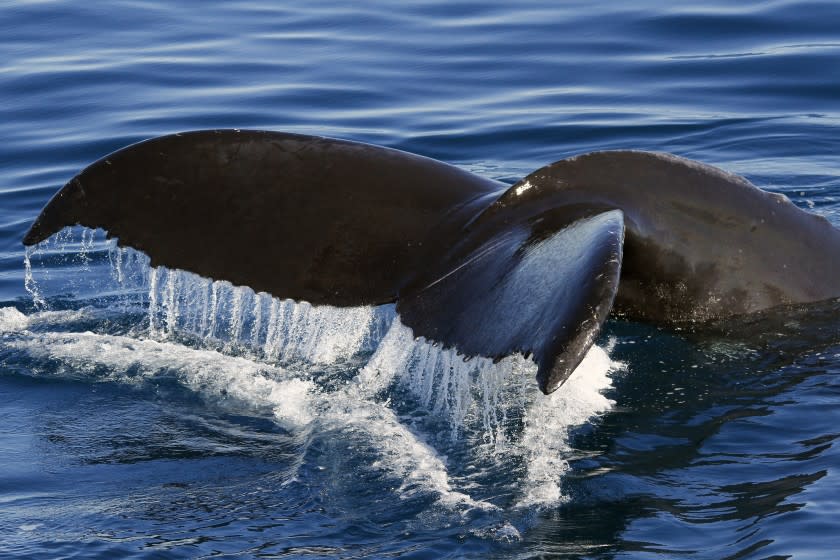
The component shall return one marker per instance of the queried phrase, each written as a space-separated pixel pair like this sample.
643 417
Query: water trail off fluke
358 369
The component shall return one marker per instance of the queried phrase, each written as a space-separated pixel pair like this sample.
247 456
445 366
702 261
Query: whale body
481 266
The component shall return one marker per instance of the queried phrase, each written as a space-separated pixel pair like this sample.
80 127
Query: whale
470 263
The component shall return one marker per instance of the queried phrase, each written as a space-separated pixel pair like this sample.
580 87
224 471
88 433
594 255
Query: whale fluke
541 287
303 217
343 223
471 263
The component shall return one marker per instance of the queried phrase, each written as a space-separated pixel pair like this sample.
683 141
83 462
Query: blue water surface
122 436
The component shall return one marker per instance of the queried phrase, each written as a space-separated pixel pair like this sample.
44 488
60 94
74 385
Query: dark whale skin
471 263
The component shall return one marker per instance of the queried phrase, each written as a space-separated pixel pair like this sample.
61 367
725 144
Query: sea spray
464 392
183 305
238 320
87 266
491 412
29 282
545 440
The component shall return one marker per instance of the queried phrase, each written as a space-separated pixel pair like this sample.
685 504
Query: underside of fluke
471 264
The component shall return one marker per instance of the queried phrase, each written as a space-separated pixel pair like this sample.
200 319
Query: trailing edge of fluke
471 263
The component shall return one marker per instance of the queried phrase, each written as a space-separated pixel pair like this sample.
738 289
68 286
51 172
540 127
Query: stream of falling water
494 408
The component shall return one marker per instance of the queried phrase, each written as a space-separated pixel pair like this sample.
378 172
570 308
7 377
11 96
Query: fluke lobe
471 263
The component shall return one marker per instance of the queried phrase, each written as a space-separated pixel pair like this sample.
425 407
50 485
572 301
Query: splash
182 305
495 407
479 401
296 403
418 404
236 318
444 383
545 441
29 281
12 320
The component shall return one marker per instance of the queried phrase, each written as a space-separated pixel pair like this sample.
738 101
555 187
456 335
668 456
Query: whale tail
472 264
342 223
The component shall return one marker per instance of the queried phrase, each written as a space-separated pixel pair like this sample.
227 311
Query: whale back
700 243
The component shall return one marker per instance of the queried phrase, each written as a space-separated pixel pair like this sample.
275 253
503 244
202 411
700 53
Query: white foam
478 399
493 410
12 320
444 383
132 360
545 441
483 397
401 451
294 402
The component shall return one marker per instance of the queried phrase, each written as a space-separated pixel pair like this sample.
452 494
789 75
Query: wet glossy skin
532 269
701 243
308 218
342 223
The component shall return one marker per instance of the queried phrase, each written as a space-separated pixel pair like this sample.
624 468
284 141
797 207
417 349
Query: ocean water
153 414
